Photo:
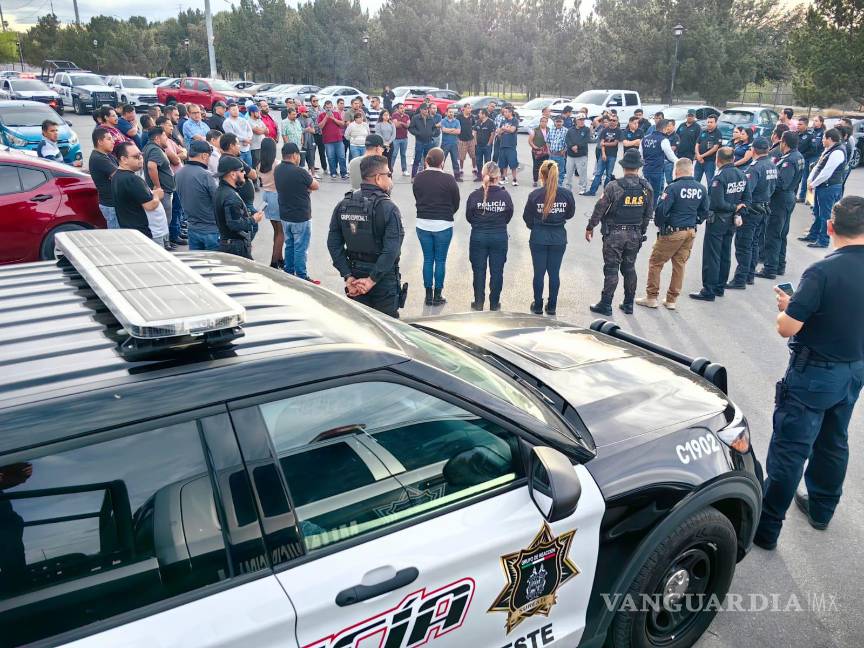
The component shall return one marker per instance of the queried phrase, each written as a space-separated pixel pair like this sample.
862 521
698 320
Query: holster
800 359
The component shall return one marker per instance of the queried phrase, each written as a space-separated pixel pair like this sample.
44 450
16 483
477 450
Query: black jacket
684 203
549 230
492 214
437 195
728 190
578 137
422 128
232 217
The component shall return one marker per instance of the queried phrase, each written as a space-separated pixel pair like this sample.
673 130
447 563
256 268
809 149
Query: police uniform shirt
817 145
805 143
688 135
707 141
630 135
625 201
485 131
762 178
609 135
830 302
790 168
549 230
727 190
684 203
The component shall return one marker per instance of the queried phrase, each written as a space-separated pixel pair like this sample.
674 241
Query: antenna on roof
160 302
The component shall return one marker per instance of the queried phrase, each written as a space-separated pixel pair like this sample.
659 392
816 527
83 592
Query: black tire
46 250
78 107
855 160
705 546
171 101
122 101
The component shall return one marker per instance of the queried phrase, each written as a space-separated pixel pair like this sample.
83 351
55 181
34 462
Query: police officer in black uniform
365 240
727 194
761 180
815 399
790 169
232 216
623 211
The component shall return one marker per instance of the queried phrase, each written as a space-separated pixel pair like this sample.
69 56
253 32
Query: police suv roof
60 343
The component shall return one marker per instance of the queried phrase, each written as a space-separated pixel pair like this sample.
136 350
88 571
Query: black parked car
201 447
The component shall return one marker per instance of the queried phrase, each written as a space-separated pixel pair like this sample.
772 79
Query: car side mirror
553 484
206 90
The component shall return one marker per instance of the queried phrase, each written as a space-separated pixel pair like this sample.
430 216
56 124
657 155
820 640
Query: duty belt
363 257
672 230
616 226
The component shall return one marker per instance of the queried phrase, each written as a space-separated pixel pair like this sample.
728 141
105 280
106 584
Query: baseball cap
558 117
219 104
374 140
197 147
761 144
580 116
691 112
229 163
231 102
252 108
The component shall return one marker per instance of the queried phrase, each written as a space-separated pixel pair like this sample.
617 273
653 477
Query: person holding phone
824 321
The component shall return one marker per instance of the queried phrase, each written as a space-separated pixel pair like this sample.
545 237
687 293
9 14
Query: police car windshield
87 79
27 84
28 116
591 97
737 117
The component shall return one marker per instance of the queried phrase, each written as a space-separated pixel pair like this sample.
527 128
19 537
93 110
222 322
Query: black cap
219 104
197 147
229 163
761 144
631 159
374 140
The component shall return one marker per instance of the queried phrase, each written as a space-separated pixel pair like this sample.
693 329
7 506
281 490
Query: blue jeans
176 218
110 215
246 156
434 246
400 148
296 244
607 167
488 247
812 409
705 168
335 152
484 155
808 164
356 151
452 149
420 151
561 161
203 240
547 260
655 179
824 199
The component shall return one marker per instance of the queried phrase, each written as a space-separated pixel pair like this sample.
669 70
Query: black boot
494 305
477 304
603 307
627 306
437 299
428 296
537 308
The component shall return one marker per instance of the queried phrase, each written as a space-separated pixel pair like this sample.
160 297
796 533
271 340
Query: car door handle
40 198
361 592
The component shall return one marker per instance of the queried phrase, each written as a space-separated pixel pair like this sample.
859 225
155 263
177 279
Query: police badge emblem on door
534 575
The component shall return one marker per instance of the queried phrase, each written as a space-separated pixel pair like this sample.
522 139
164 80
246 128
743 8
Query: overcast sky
27 12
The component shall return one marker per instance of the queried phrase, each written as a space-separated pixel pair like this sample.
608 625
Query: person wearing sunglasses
365 240
133 199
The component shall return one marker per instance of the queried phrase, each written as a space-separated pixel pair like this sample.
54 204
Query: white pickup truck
625 102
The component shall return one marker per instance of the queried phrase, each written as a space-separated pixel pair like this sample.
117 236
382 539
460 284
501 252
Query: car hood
36 93
95 88
619 390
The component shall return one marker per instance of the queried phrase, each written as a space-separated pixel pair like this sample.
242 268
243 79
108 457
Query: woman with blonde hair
546 212
488 210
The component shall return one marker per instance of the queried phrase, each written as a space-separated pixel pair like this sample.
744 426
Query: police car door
414 522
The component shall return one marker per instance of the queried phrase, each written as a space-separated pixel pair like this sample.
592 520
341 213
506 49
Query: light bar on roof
152 293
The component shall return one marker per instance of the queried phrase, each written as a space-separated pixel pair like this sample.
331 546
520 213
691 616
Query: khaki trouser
467 148
675 246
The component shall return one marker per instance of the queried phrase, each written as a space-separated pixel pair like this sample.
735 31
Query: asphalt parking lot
810 582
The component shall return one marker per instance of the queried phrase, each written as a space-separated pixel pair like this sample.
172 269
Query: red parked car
204 92
441 99
39 198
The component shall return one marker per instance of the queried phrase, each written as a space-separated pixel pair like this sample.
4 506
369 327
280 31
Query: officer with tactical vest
365 240
683 205
790 170
623 211
728 200
656 151
232 216
761 181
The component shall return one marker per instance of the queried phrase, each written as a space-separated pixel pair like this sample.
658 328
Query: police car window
631 98
31 178
104 529
358 458
9 182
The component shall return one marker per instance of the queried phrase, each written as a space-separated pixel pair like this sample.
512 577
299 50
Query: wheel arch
737 497
52 231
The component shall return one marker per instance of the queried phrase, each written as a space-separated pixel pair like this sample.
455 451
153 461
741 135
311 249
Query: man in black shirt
236 226
294 184
466 144
484 130
102 165
230 146
814 401
132 198
216 120
608 141
688 134
576 142
706 149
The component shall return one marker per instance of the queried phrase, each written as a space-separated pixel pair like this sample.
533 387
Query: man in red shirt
331 123
400 145
272 128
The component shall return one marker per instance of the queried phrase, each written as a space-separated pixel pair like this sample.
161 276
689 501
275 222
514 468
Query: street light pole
96 51
677 31
188 57
211 52
368 75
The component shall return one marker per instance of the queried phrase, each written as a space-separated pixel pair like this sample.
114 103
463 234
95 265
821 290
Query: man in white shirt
240 127
374 113
826 183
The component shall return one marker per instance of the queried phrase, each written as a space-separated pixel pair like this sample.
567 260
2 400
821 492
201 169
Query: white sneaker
670 305
649 302
406 174
515 184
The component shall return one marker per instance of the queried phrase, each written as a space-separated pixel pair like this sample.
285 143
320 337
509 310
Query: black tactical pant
717 253
620 247
384 296
746 251
777 231
239 247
